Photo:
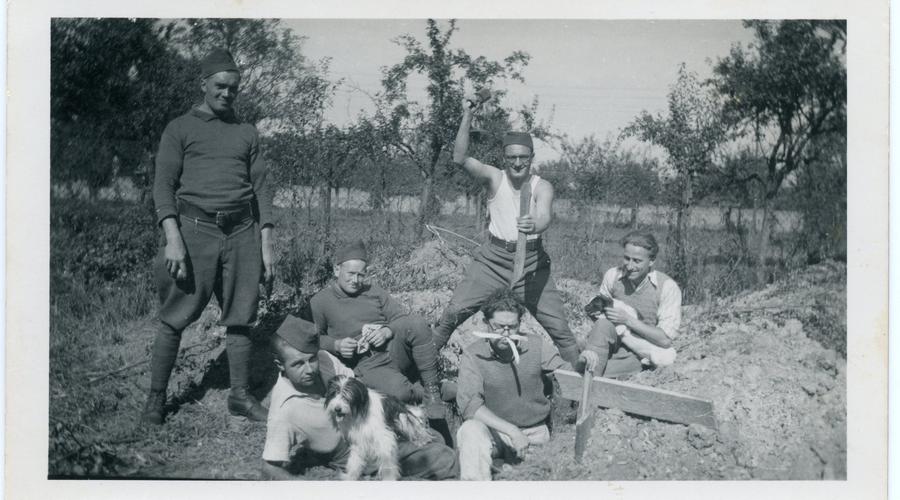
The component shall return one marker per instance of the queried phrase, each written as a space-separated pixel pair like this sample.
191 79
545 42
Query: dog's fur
372 423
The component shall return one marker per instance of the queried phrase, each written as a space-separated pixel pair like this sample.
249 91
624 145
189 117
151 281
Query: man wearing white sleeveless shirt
492 267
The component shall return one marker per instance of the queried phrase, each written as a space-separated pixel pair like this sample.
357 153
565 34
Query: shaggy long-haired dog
372 423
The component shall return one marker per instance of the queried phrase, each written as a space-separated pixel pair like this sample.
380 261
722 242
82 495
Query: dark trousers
434 461
616 360
491 271
227 264
409 356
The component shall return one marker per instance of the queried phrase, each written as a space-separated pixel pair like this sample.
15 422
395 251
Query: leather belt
510 246
222 218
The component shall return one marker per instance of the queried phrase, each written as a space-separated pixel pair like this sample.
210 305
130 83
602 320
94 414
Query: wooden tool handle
585 407
519 262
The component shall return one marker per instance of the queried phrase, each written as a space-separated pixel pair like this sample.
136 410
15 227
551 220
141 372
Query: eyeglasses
505 328
514 158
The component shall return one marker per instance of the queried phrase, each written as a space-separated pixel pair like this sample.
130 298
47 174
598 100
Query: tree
323 158
691 135
423 134
787 92
114 84
278 83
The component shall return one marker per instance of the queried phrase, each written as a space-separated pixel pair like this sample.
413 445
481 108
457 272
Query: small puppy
372 423
650 354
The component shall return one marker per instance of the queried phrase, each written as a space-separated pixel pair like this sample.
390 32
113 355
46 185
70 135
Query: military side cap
521 138
353 251
217 60
300 334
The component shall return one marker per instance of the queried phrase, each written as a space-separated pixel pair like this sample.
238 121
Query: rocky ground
772 362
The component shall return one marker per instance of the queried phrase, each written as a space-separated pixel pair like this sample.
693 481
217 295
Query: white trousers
478 446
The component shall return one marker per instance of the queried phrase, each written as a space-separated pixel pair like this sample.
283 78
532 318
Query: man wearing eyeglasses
501 388
492 267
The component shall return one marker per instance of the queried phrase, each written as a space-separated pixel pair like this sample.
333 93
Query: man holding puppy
373 334
642 313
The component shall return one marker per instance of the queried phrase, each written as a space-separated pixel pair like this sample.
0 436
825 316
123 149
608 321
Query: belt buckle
222 219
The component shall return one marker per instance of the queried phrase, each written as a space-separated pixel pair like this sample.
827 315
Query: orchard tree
324 158
788 92
691 134
114 84
423 134
278 83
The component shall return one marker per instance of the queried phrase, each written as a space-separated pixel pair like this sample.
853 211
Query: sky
592 77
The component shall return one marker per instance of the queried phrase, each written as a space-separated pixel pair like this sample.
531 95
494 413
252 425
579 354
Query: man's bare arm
276 472
475 168
539 221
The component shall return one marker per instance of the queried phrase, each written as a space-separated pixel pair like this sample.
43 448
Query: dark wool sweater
513 392
338 315
210 163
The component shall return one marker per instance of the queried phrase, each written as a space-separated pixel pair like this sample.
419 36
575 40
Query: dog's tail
412 425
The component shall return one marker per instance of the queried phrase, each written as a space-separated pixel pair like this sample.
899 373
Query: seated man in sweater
376 336
299 433
501 389
642 314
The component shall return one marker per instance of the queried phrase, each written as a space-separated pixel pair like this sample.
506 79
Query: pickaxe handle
519 261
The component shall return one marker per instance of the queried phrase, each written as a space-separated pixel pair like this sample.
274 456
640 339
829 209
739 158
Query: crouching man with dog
637 311
300 432
501 389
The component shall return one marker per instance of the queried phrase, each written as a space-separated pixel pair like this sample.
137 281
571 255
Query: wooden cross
639 399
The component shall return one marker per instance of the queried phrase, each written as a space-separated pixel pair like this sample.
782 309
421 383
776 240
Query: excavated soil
779 395
771 361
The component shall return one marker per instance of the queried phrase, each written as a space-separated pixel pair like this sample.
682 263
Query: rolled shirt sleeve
470 387
669 312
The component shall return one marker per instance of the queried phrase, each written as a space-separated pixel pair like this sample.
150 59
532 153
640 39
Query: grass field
102 307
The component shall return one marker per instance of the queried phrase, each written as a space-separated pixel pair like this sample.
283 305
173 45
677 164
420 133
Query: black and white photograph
456 248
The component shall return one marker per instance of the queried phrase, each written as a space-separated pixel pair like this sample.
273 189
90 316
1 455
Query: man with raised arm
492 268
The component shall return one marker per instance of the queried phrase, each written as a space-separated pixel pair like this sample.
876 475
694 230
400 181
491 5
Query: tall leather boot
241 403
437 413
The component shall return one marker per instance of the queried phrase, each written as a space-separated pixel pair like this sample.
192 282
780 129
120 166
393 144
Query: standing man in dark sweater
501 390
372 333
211 198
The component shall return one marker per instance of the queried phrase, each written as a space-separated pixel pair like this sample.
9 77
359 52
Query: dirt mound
771 361
432 266
779 394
